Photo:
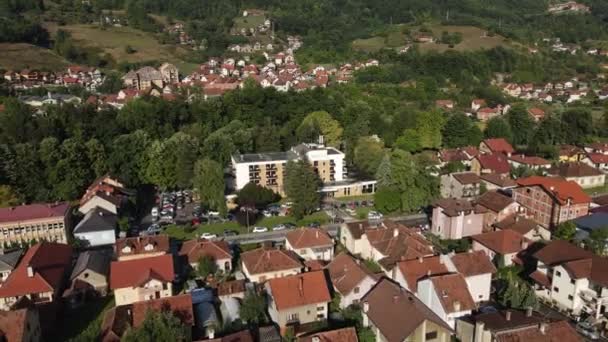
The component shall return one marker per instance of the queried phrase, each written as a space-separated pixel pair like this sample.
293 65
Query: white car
279 226
213 213
260 229
374 215
351 211
154 212
208 236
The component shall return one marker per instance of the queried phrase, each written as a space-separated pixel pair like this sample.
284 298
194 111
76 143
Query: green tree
368 155
410 141
459 131
96 154
257 196
383 174
209 181
521 123
597 240
301 186
253 308
387 200
565 231
159 326
577 125
7 197
206 266
429 126
415 184
320 123
498 128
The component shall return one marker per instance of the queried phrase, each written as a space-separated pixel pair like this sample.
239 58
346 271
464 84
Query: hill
20 56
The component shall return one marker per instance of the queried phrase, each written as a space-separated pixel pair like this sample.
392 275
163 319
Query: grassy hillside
21 56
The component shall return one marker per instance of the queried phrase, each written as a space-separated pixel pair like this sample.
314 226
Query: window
556 289
558 274
570 298
430 335
320 308
292 317
572 281
356 289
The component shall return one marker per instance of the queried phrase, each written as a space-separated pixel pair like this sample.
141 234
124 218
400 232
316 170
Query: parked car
290 225
230 233
154 213
154 229
279 226
374 215
260 229
314 225
587 330
208 236
351 211
213 213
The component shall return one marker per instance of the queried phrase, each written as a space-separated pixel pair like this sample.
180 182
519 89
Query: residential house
496 163
456 218
350 279
103 200
445 104
310 244
194 250
447 295
570 153
477 104
529 162
348 334
598 147
141 247
351 236
462 155
494 181
169 73
386 306
409 272
231 289
496 145
498 206
239 336
572 278
486 113
524 226
20 325
39 276
144 78
262 264
584 175
24 223
596 160
89 277
551 201
460 185
118 319
142 279
514 325
97 228
502 246
298 299
8 262
536 113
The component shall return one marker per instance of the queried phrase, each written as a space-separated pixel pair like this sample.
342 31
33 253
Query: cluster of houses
74 75
568 7
568 92
178 30
264 27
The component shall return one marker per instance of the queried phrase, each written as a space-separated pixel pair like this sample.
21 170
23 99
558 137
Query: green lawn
250 21
23 56
598 190
179 232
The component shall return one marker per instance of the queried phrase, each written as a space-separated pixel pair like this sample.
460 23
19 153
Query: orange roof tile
417 269
561 190
196 249
263 260
299 290
133 273
502 241
499 145
308 238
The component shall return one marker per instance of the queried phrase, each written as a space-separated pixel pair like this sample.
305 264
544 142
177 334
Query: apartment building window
570 298
555 289
558 274
430 335
293 317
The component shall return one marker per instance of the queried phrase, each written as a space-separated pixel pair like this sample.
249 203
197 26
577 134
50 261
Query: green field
180 233
473 39
23 56
250 21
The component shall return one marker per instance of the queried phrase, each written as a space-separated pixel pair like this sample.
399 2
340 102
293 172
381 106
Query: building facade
40 222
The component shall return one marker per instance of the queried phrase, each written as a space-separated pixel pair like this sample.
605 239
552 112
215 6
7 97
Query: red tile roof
502 241
299 290
137 245
346 273
560 331
49 262
529 160
496 162
196 249
560 189
33 212
453 292
417 269
264 260
598 158
473 263
499 145
339 335
14 324
308 238
241 336
133 273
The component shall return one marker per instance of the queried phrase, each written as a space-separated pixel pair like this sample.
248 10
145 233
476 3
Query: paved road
332 229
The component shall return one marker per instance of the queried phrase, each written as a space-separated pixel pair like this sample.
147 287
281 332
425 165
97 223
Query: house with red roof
142 279
350 279
39 276
310 244
486 113
530 162
495 163
40 221
496 145
448 296
536 113
503 244
596 160
219 251
141 247
550 201
298 299
262 264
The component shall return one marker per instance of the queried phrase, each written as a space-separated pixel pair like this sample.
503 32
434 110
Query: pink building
455 219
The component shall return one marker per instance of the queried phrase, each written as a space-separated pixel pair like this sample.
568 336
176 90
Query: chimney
542 327
524 243
508 315
395 298
30 272
395 232
529 311
428 273
420 259
211 332
365 311
456 306
317 234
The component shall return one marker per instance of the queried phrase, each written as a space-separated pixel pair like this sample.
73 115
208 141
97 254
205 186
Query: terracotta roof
348 334
473 263
357 229
33 212
599 146
502 181
231 287
315 265
500 145
529 160
495 201
136 272
263 260
541 278
496 162
453 155
560 251
502 241
453 292
241 336
561 190
346 273
497 322
560 331
118 319
569 150
13 325
308 238
536 112
454 207
137 245
568 170
397 242
389 304
517 223
417 269
598 158
299 290
466 177
196 249
49 261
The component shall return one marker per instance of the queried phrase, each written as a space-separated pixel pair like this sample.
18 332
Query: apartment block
40 222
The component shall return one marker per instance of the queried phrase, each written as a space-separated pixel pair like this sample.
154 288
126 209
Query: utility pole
447 15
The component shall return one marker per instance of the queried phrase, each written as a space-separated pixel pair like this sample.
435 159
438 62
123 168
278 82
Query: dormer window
149 247
126 250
